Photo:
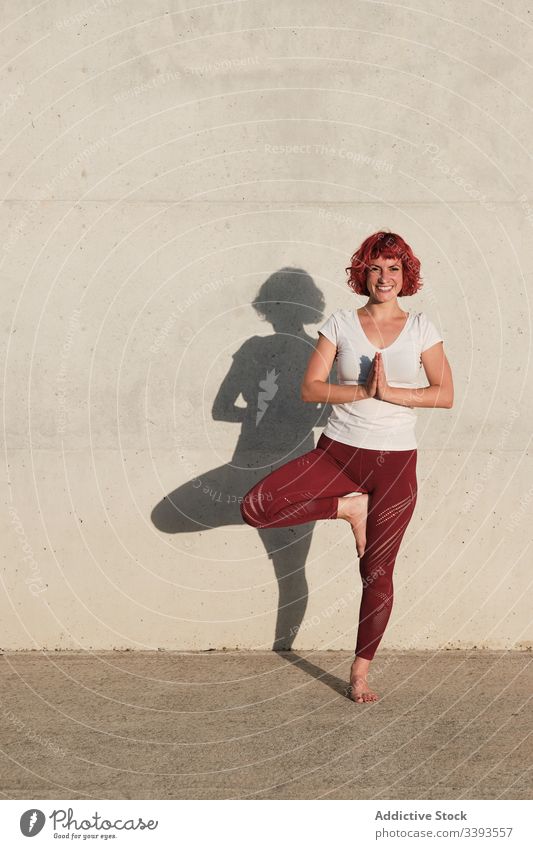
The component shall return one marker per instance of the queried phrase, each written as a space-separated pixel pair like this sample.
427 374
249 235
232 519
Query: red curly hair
390 246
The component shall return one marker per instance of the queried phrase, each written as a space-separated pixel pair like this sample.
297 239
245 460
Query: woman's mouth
384 288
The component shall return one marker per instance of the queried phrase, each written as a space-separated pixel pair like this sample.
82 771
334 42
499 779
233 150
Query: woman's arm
315 386
439 374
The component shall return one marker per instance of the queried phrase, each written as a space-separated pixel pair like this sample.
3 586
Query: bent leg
391 507
303 490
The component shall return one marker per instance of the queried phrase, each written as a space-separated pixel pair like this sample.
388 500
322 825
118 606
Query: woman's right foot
354 509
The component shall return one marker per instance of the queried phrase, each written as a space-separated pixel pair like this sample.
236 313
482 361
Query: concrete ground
263 725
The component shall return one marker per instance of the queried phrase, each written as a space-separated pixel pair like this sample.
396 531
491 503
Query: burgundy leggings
308 488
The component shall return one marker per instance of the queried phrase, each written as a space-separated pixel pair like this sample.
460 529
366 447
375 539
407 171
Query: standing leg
392 503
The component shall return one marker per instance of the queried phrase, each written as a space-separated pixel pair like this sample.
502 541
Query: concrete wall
162 169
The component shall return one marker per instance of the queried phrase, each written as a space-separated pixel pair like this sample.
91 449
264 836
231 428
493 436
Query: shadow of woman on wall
276 426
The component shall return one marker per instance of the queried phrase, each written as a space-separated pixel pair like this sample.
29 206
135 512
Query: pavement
264 725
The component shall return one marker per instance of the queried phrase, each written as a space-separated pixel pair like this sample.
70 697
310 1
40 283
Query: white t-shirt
372 423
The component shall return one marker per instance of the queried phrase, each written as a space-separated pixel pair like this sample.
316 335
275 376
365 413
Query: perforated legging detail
308 488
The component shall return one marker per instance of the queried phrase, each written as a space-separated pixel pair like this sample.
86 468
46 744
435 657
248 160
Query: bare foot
354 508
359 690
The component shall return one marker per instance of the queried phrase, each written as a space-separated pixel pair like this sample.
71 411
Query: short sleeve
330 329
429 335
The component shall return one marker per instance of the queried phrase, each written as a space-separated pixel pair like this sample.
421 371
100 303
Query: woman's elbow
304 392
307 392
444 398
447 402
449 396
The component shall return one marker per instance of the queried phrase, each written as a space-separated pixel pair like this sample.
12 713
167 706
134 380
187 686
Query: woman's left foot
360 691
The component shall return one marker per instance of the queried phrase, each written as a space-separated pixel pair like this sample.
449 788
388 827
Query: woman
368 448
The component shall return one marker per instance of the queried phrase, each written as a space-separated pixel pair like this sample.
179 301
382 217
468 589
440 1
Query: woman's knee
378 577
251 509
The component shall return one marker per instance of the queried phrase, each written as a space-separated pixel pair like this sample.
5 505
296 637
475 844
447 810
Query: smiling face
384 279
